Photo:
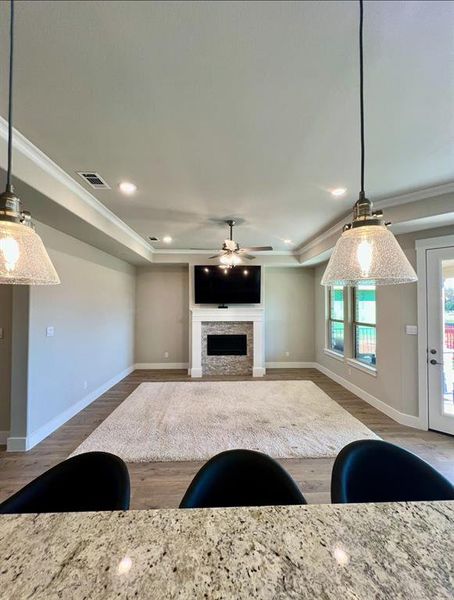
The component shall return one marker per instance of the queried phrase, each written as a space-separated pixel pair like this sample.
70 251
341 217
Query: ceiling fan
231 253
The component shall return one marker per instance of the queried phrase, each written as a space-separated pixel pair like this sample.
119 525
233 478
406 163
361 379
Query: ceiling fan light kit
23 257
232 255
367 251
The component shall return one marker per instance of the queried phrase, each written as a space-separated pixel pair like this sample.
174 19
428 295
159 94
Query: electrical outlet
166 355
50 331
2 333
287 353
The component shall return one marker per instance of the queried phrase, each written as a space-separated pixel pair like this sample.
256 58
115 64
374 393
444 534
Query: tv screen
238 285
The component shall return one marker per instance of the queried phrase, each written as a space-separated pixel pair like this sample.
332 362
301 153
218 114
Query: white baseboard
21 444
195 372
166 365
3 437
291 365
258 371
402 418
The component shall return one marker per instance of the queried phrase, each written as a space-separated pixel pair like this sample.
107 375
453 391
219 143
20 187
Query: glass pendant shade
368 255
23 257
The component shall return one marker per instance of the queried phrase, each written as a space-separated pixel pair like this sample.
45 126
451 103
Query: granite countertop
362 551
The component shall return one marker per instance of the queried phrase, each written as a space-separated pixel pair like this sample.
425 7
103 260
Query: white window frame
355 361
328 320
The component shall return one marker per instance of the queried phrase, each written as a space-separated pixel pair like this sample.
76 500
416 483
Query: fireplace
226 345
238 344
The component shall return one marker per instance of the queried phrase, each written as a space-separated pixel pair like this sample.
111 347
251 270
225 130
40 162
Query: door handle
434 362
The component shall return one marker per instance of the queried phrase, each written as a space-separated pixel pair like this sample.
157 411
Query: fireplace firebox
226 345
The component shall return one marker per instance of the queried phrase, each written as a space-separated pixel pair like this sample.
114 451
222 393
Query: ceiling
236 109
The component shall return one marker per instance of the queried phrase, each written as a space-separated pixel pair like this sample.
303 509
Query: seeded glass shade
370 255
23 257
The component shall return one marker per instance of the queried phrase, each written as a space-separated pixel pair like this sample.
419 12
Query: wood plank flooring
162 485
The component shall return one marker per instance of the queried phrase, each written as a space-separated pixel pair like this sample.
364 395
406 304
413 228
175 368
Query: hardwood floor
159 485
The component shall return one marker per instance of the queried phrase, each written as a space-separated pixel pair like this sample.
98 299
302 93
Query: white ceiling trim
44 162
216 250
421 194
24 146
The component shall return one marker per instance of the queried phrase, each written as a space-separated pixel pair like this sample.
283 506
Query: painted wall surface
162 314
289 310
396 381
6 315
92 313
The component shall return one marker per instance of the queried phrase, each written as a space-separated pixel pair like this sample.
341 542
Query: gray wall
92 312
289 310
396 382
6 315
162 314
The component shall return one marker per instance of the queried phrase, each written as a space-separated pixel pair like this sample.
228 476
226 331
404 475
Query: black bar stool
241 478
377 471
86 482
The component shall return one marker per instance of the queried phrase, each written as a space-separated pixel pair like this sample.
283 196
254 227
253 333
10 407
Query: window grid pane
336 336
366 344
336 296
365 303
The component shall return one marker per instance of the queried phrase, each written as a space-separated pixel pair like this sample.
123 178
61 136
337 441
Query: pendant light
23 257
367 252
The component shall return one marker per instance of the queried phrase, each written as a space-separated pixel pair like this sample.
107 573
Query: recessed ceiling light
167 239
288 242
339 192
127 187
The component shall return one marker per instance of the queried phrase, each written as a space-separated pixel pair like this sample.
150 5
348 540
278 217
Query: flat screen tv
238 285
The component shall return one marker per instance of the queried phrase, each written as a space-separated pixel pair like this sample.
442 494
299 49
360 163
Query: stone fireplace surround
227 320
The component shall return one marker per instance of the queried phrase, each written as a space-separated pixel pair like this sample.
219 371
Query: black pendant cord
361 93
10 98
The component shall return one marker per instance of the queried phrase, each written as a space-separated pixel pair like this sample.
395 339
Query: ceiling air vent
94 180
152 238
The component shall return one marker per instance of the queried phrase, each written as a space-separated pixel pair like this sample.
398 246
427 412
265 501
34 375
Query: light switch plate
2 333
50 331
411 329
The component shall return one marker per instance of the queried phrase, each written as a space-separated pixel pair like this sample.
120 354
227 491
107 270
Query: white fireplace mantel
256 316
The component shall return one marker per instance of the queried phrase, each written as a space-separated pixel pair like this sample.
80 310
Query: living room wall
6 307
396 380
162 315
92 346
289 310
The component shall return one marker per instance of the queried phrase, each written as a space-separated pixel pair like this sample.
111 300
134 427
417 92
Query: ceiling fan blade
257 249
217 255
248 256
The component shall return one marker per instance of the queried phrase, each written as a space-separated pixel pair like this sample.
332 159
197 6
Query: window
364 324
336 325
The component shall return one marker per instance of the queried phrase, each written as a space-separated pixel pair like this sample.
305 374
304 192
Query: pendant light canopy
23 257
367 251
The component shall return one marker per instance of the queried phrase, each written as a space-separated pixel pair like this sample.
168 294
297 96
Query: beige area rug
175 421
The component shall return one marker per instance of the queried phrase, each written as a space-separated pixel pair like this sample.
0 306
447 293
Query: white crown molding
44 162
421 194
158 251
415 196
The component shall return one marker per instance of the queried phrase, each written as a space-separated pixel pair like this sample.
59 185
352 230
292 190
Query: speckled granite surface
391 551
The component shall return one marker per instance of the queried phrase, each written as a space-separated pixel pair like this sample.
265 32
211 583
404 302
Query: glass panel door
440 330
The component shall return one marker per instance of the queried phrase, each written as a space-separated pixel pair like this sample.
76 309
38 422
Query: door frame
422 246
